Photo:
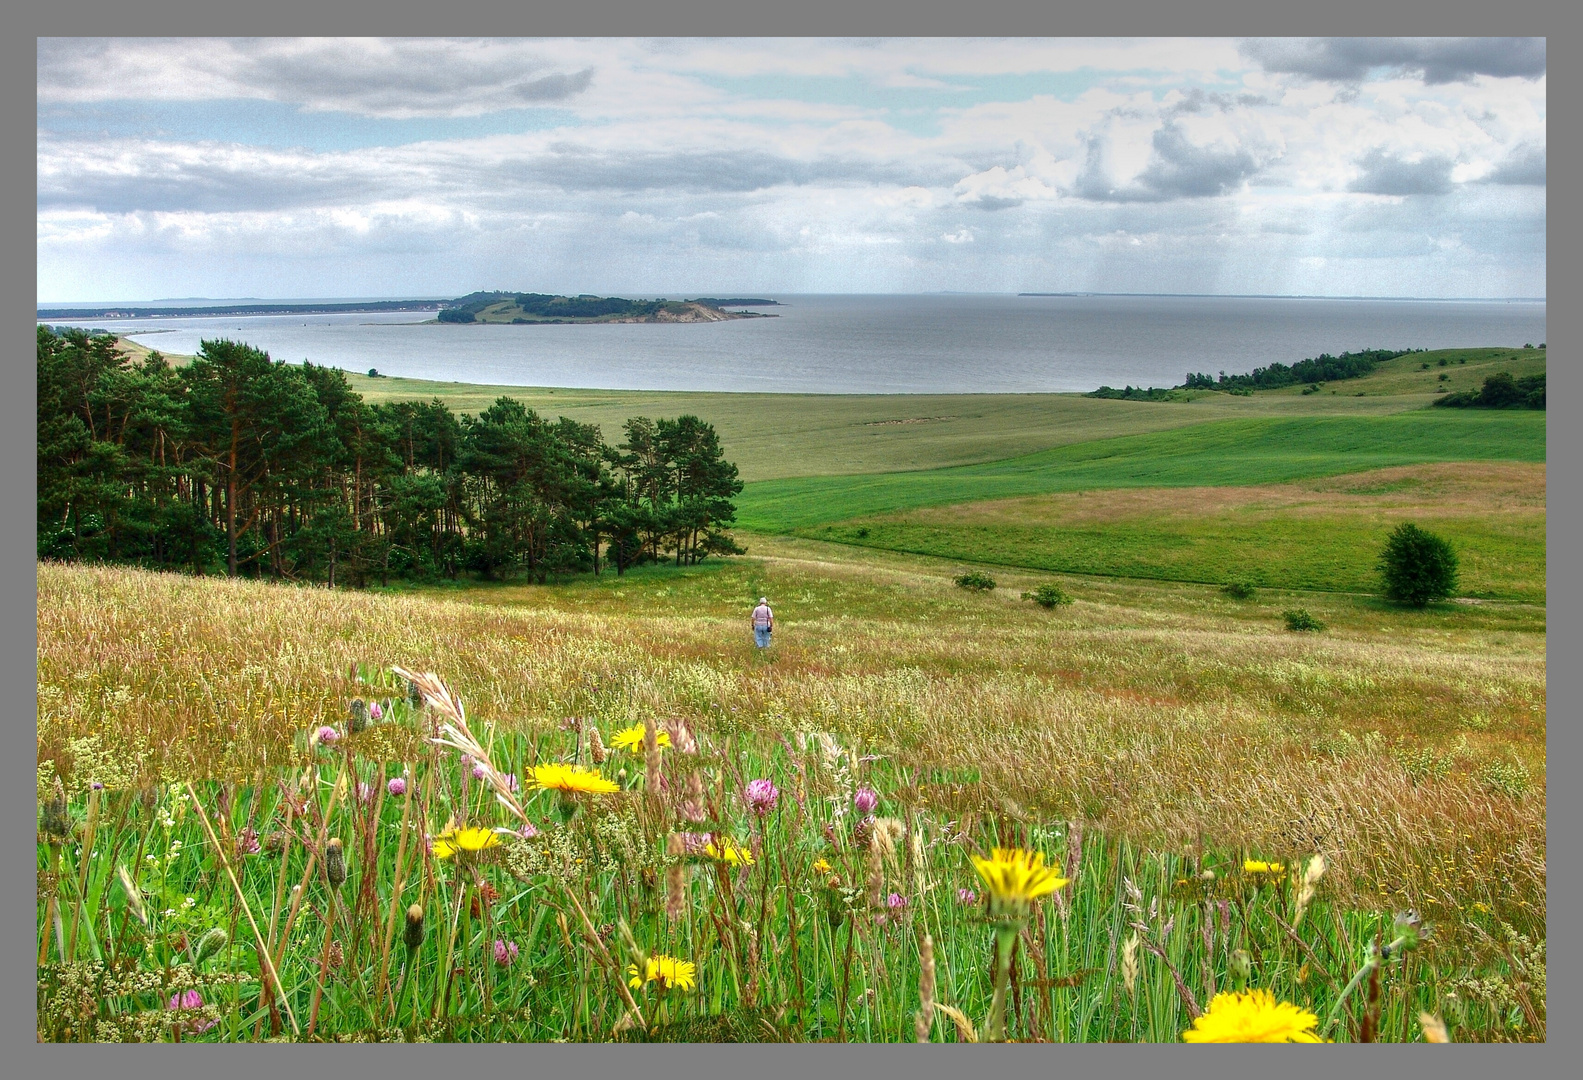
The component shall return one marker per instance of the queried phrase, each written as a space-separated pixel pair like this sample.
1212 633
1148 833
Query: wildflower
1015 878
97 785
1254 1016
188 1001
726 851
375 711
631 739
762 795
505 952
465 841
510 781
479 771
865 800
365 791
966 896
397 786
821 866
327 736
667 971
528 830
247 841
689 843
570 779
896 902
1256 866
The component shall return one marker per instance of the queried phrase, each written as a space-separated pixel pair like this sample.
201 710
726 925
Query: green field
1245 451
1321 536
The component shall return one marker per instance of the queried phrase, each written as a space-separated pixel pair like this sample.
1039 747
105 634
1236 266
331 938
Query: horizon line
1073 293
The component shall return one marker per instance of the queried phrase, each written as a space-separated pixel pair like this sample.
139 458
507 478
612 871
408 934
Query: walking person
763 623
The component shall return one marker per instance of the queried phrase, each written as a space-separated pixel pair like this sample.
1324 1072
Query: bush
1417 567
1300 620
975 580
1238 589
1048 596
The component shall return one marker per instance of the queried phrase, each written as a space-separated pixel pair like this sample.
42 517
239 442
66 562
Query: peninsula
503 307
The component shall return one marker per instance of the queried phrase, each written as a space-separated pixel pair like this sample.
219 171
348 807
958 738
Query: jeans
761 636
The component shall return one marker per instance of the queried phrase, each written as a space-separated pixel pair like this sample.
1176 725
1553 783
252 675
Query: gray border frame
724 17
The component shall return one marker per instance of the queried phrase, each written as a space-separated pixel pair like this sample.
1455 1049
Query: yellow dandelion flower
570 778
729 853
1256 866
631 739
822 866
1015 878
668 971
1254 1016
465 841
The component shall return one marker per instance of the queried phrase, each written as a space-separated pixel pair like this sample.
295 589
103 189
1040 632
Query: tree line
240 464
1321 368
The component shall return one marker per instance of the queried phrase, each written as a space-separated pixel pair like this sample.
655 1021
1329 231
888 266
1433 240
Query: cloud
400 78
963 235
1386 173
1524 165
1435 60
1176 168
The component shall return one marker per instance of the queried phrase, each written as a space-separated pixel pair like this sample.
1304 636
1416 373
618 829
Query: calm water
879 344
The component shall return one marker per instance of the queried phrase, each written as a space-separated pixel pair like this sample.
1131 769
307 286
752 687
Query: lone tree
1417 567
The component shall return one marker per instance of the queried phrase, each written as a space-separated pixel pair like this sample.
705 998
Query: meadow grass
1139 738
1259 450
1323 534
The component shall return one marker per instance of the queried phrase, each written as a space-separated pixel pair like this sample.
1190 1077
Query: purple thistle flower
762 796
328 736
397 786
97 785
190 999
375 712
505 952
865 800
966 896
693 843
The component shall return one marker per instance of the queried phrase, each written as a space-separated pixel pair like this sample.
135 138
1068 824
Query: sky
281 168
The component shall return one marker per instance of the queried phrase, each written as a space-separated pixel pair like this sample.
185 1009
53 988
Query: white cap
764 599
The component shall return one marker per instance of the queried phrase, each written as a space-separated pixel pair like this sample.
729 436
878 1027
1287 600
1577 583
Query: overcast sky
330 168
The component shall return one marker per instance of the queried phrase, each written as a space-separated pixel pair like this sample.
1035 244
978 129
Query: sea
908 344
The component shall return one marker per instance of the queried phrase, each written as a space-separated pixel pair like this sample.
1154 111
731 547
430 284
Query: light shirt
762 617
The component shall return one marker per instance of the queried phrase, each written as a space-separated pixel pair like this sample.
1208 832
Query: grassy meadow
232 849
1320 534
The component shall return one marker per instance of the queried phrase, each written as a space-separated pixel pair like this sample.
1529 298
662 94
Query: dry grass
1170 727
1442 489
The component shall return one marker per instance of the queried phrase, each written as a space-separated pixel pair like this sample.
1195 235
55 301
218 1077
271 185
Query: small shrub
1300 620
1048 596
1423 764
1239 589
862 534
1417 567
975 580
1509 778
